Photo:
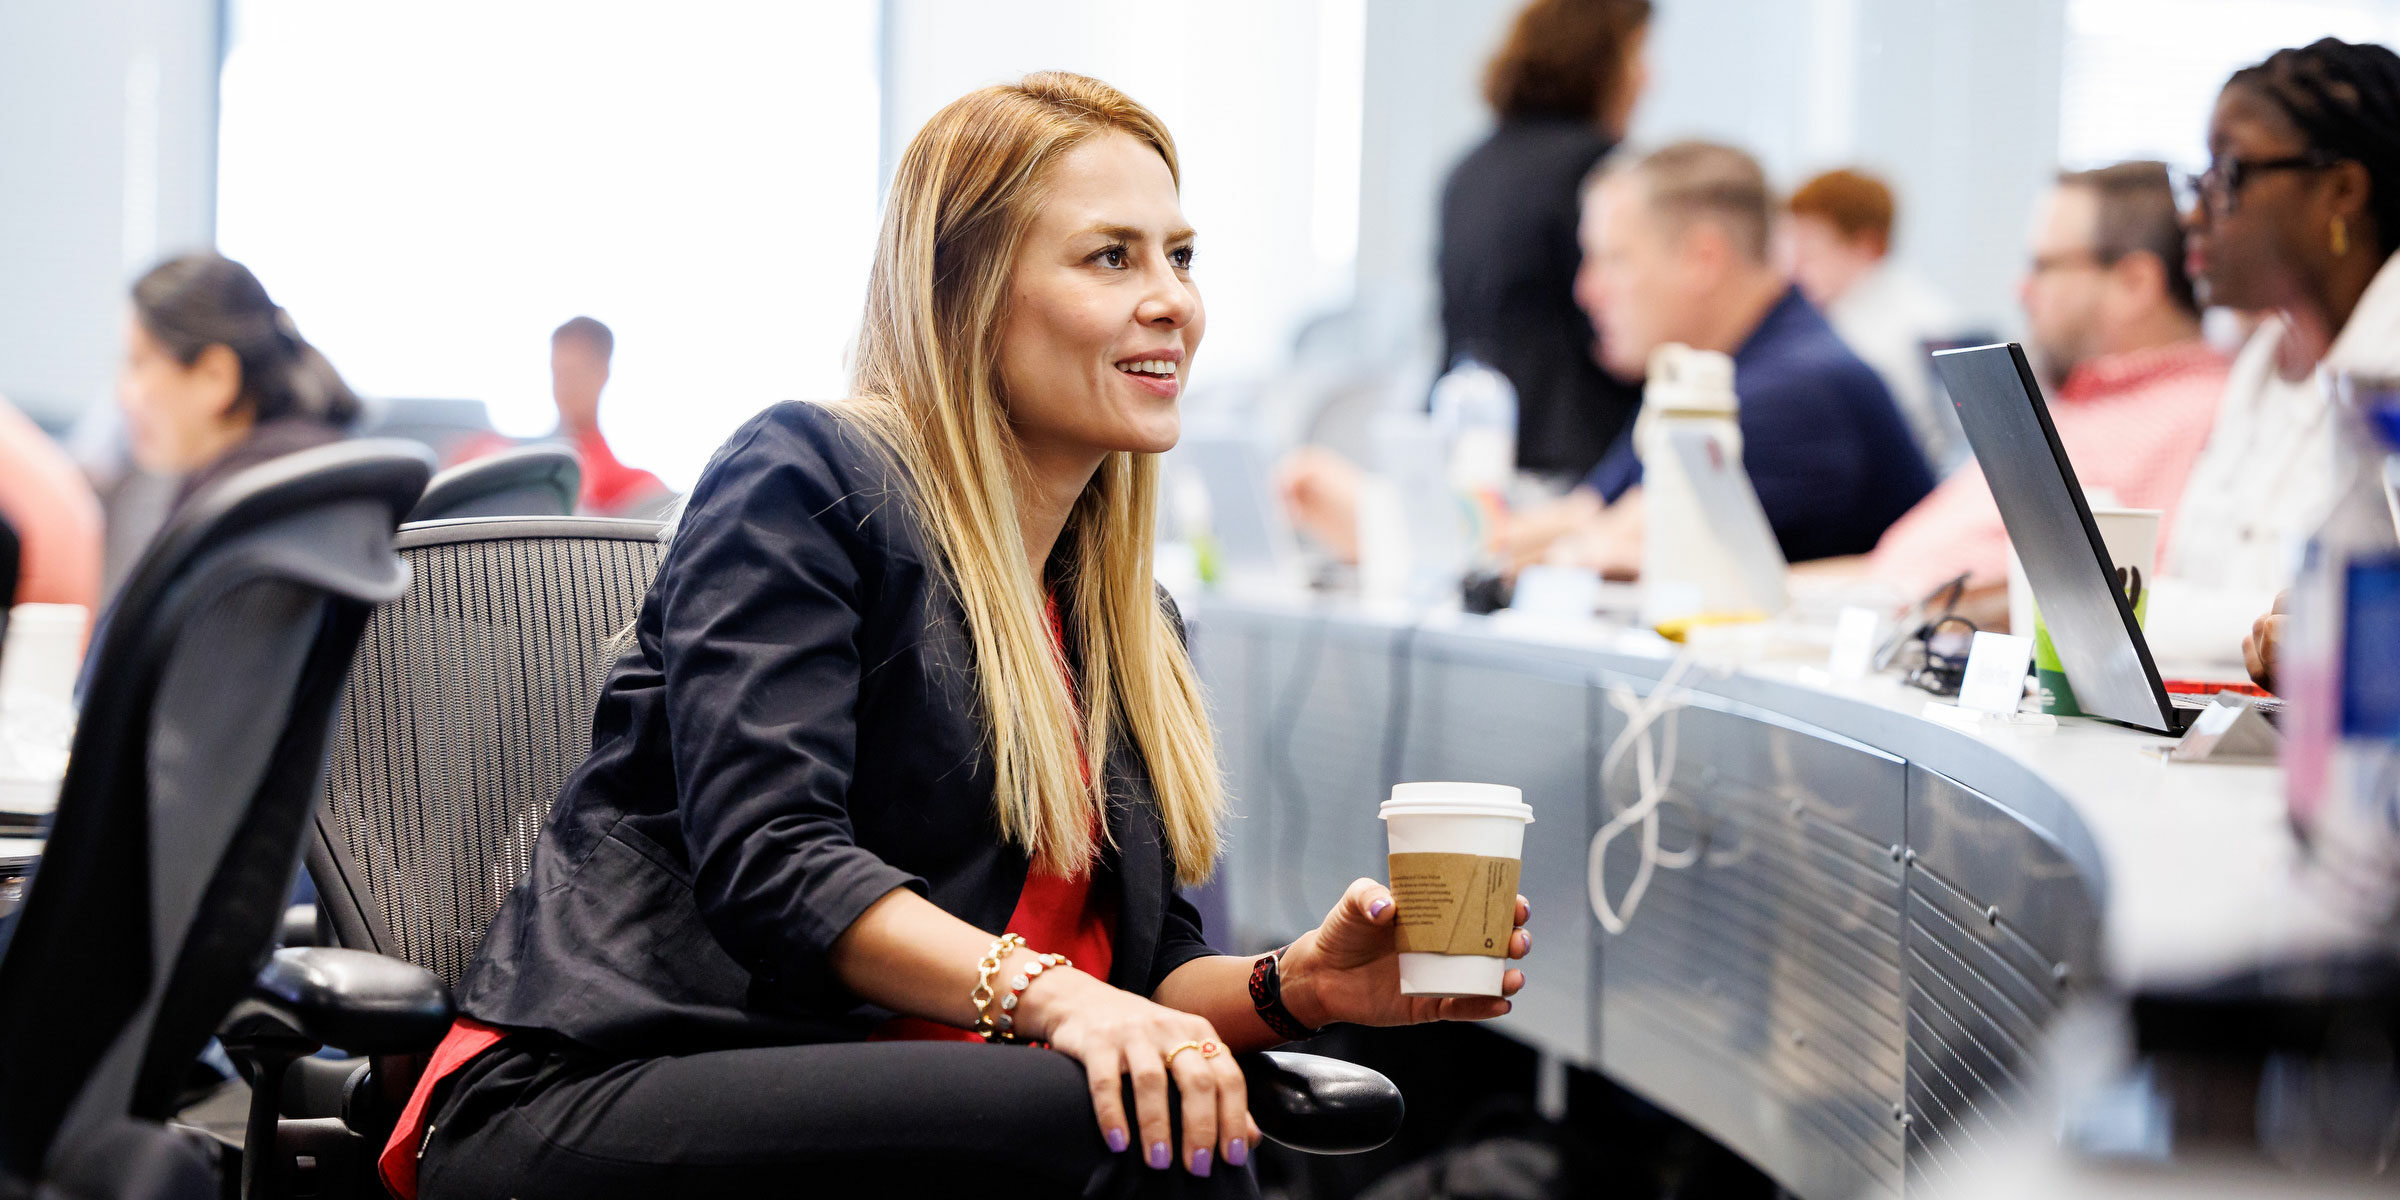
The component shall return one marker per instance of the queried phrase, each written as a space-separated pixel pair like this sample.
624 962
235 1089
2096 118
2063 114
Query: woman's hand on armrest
906 954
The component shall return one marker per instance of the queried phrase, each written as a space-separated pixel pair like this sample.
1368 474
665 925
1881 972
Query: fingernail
1376 909
1237 1152
1528 940
1117 1141
1160 1157
1200 1162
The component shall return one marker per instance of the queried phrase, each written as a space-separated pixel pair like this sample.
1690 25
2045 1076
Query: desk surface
2195 865
1881 914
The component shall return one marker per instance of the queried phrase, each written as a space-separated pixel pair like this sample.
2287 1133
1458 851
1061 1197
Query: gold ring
1206 1049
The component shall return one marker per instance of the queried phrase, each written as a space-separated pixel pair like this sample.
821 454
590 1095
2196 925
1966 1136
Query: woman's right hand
1115 1035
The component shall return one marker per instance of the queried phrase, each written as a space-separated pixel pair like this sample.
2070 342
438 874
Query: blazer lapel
1141 869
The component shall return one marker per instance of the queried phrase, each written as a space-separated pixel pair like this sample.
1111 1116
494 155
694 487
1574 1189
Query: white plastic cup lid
1457 800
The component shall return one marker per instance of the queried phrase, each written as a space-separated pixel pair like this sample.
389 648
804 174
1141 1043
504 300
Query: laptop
1255 542
2091 623
1745 569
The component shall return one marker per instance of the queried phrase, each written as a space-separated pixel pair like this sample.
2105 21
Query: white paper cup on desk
2131 535
44 651
1456 849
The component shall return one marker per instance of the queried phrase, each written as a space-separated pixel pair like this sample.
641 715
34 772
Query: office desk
1849 984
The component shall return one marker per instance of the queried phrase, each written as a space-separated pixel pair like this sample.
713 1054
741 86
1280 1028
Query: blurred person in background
579 355
47 502
2110 314
1836 240
217 378
1563 85
2297 214
1675 250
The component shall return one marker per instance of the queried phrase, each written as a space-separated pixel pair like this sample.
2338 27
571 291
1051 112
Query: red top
609 486
1056 915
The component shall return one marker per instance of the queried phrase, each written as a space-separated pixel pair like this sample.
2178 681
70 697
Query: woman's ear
2349 195
217 375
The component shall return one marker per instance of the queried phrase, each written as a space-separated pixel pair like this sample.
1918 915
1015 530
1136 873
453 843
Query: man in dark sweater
1675 250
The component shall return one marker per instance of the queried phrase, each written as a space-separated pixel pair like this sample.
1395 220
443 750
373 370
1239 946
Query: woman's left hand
1348 969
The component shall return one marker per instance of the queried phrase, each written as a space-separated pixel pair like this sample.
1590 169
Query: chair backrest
469 705
527 481
195 760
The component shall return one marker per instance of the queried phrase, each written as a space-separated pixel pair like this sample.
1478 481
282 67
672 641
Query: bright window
2140 76
430 187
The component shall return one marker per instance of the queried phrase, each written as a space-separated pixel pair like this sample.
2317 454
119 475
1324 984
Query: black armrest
299 926
1321 1105
363 1003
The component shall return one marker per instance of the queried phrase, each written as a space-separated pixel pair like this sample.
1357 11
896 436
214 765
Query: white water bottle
1686 569
1476 407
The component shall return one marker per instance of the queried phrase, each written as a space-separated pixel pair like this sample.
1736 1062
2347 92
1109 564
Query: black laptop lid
2092 627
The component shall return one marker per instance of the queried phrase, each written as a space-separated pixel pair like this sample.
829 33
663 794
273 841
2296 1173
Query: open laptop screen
2091 625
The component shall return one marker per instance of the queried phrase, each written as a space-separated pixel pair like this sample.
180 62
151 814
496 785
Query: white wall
107 138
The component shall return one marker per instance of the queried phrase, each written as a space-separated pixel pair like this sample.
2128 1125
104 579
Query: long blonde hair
926 383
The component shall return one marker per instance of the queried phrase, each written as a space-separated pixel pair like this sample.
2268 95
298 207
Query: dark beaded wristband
1266 995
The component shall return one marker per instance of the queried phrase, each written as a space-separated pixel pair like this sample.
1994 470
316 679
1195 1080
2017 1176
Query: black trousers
532 1118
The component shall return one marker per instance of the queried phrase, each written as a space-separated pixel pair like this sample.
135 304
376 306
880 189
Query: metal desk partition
1848 985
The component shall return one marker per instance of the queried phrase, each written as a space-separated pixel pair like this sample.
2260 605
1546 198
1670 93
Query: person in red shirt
2111 317
579 354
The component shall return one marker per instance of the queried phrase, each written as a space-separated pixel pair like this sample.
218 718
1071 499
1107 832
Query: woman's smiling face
1102 318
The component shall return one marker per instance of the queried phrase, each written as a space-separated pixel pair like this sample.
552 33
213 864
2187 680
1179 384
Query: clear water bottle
1475 407
2339 666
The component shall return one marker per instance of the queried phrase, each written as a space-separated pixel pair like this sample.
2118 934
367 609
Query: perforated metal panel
469 705
1758 993
2000 928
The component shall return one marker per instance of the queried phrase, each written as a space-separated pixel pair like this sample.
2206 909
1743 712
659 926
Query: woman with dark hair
217 378
2298 215
1563 85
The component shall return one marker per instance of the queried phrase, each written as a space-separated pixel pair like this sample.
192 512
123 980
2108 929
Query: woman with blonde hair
906 750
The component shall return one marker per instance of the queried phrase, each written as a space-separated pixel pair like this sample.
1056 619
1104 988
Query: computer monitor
2091 623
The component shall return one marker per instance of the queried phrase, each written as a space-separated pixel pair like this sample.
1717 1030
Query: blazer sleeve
1180 940
760 607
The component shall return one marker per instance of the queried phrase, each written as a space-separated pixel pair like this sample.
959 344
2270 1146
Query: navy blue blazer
792 735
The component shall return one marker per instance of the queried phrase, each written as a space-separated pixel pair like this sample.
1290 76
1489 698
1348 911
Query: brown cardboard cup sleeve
1455 903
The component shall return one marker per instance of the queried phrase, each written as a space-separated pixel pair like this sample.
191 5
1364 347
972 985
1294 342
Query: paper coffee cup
44 651
2131 535
1456 849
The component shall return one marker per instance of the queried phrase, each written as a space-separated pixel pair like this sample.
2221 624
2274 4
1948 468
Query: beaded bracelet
1001 1026
1004 1027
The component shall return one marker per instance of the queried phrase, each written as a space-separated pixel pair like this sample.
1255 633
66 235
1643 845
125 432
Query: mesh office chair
469 706
180 819
528 481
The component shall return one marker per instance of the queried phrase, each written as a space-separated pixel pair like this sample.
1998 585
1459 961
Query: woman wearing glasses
2297 217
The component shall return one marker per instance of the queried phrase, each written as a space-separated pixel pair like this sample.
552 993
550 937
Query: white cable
1652 782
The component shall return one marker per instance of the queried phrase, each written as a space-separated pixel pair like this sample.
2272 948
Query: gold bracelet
981 997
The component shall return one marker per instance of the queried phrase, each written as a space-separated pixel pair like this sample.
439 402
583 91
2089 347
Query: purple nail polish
1200 1163
1237 1153
1160 1157
1117 1141
1376 909
1528 940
